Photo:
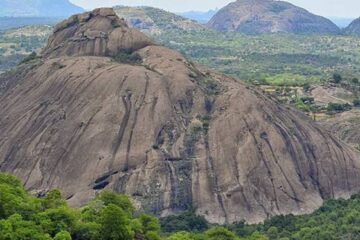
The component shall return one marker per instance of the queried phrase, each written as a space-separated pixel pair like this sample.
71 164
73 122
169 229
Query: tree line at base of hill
111 216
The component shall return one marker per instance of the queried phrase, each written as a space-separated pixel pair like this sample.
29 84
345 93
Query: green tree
92 210
114 223
337 78
15 228
13 197
220 233
149 223
258 236
87 231
56 220
181 236
63 235
152 236
121 201
272 232
186 221
53 199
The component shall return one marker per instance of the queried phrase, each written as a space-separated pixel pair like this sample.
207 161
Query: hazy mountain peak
38 8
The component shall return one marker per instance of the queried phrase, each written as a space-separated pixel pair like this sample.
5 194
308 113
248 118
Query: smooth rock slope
105 108
269 16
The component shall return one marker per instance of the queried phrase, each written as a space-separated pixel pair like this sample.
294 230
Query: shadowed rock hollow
167 133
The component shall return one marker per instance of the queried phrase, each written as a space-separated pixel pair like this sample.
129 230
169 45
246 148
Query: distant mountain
353 28
38 8
341 21
201 17
155 21
16 22
269 16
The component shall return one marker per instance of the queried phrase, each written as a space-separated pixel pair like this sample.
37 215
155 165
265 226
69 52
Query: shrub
302 106
126 56
187 221
337 78
121 201
356 102
114 224
338 107
220 233
195 126
29 58
208 104
63 235
355 81
308 100
306 87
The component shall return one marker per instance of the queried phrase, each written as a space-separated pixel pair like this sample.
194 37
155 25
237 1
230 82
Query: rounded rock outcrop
269 16
96 33
164 131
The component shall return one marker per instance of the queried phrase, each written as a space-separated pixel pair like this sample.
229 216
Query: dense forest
112 216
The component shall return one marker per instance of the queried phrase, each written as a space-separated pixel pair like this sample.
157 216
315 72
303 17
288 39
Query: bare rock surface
96 33
323 95
345 126
269 16
162 130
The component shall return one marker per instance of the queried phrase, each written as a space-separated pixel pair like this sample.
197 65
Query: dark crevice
142 100
263 159
294 197
126 100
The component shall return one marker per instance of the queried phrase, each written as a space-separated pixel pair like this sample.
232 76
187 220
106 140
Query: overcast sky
340 8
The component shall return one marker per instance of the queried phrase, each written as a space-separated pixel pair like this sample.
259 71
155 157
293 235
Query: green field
277 59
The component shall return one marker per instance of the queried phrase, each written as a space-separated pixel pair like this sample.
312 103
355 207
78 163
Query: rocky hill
155 21
269 16
38 8
353 28
105 108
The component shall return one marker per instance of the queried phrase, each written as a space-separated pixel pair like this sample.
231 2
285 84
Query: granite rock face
269 16
162 130
97 33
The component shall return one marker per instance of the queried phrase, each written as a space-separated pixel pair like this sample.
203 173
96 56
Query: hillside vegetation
16 44
155 21
113 217
275 59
